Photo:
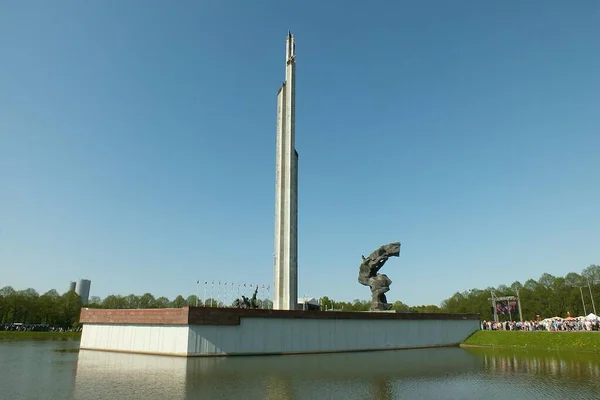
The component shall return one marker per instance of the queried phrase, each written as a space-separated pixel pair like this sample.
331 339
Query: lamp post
519 303
582 302
494 305
591 295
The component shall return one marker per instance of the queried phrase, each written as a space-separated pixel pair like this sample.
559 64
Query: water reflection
102 375
411 374
37 371
354 375
546 364
32 369
382 389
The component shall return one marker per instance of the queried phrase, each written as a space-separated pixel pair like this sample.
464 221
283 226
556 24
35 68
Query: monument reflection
350 375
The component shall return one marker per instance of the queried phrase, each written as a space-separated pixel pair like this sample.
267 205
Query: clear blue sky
137 143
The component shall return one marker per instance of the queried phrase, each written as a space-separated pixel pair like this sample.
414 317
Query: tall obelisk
286 189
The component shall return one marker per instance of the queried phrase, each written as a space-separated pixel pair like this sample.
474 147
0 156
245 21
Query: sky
137 143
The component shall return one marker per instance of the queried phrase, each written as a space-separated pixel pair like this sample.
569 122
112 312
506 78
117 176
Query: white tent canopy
592 317
308 300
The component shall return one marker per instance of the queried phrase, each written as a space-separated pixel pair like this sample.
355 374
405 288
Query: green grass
537 340
12 335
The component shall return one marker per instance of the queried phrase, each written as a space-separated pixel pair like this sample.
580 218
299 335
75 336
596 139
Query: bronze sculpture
245 302
379 283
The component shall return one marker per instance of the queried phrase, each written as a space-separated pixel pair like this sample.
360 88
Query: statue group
368 275
379 283
244 302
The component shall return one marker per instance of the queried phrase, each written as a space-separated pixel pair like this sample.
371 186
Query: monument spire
286 189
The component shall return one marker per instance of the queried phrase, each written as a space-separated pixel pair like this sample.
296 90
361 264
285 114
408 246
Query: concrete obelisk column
286 190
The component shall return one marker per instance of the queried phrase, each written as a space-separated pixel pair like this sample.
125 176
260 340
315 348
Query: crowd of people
551 324
18 327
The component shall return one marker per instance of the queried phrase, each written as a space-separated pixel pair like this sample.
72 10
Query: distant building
83 290
308 303
71 287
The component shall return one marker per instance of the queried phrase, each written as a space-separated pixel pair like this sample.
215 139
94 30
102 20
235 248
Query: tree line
549 296
365 305
51 308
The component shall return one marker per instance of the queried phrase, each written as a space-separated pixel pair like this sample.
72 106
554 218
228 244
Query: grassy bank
12 335
540 340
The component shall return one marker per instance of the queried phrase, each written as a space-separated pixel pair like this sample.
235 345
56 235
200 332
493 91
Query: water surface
35 370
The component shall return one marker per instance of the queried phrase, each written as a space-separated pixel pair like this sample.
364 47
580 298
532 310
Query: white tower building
286 189
83 290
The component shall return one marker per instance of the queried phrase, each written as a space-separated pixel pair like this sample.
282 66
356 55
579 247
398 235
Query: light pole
582 302
197 291
591 295
519 303
494 305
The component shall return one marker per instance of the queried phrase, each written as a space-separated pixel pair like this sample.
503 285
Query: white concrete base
262 336
148 339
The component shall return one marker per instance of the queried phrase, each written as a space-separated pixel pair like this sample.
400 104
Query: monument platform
204 331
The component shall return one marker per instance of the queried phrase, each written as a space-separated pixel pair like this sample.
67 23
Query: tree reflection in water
567 366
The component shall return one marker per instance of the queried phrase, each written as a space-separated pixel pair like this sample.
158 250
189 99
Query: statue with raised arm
245 302
379 283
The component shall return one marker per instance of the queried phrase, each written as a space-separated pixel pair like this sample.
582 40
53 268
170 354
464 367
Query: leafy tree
115 302
7 304
530 284
162 302
179 302
193 300
266 304
426 309
502 290
400 306
210 302
516 286
326 303
592 273
48 307
133 301
573 279
147 301
547 280
69 305
25 308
